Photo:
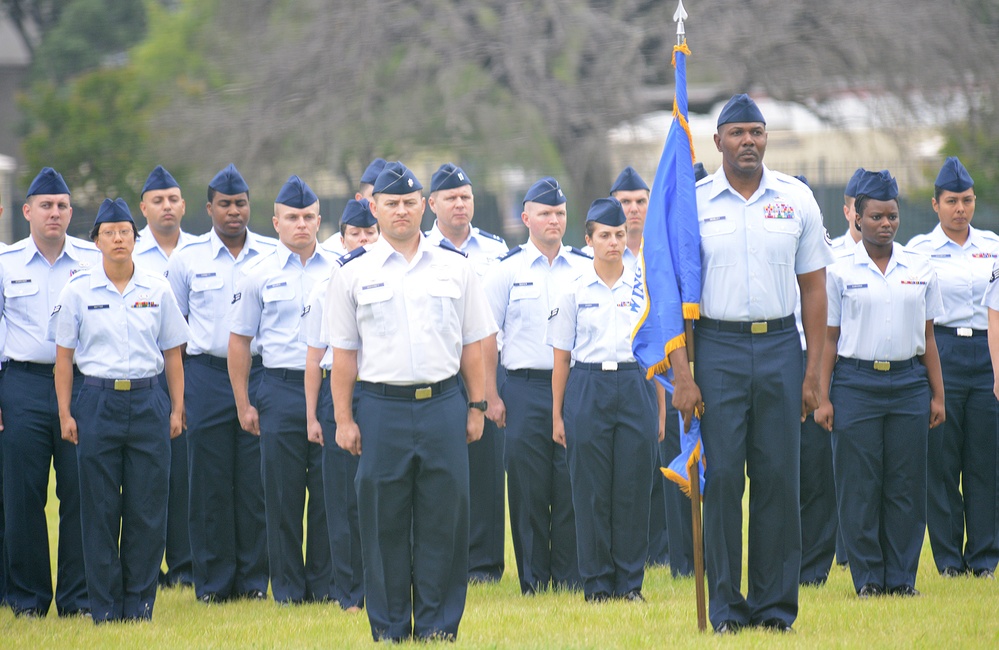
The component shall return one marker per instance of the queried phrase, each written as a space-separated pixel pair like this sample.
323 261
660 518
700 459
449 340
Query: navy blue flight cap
113 212
396 179
229 181
699 171
740 109
370 174
878 185
607 211
448 177
953 177
159 179
628 180
545 191
851 185
48 181
357 213
296 193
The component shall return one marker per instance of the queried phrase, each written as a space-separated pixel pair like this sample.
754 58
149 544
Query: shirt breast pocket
524 306
781 240
206 294
19 297
277 299
444 297
715 241
374 310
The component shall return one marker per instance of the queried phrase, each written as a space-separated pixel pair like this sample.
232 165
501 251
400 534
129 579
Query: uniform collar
68 249
98 278
899 257
381 250
590 277
284 254
147 241
252 243
533 253
939 239
719 184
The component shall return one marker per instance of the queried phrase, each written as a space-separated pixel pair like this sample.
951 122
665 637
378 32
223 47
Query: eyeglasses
111 234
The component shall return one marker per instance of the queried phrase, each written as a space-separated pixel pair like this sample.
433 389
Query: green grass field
959 613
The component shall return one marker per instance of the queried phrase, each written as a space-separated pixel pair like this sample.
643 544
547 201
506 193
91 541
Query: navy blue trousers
658 530
751 385
412 496
124 463
880 425
819 521
339 472
487 512
611 438
542 523
290 465
32 443
962 493
678 512
228 532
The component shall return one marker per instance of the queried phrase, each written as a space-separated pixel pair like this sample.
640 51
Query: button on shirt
148 254
31 288
203 277
269 300
594 321
408 320
963 272
483 251
882 317
118 335
522 291
752 250
312 331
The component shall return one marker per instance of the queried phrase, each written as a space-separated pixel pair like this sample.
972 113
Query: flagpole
692 469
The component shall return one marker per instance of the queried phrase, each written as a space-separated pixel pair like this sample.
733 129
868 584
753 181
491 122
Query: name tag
710 219
98 306
589 305
372 286
276 285
940 255
856 286
205 275
28 280
523 284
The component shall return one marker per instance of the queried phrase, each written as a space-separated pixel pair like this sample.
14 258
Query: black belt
530 373
221 362
881 366
755 327
288 374
963 332
607 366
43 369
121 384
414 392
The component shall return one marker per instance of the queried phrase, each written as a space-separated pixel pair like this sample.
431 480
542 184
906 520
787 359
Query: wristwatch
482 406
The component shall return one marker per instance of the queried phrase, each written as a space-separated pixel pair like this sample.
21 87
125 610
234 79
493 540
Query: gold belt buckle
883 366
758 327
123 384
965 332
424 393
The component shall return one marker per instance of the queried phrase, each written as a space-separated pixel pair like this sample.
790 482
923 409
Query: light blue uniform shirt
752 250
882 317
522 291
483 249
203 276
269 300
963 272
30 289
594 321
118 335
630 260
842 245
148 254
407 320
313 329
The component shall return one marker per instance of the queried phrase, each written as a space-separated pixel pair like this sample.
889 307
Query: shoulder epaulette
513 251
489 235
448 246
576 251
352 255
13 248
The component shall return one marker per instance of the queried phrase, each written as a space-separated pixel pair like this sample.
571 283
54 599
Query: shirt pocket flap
524 291
201 283
374 294
444 289
20 288
277 292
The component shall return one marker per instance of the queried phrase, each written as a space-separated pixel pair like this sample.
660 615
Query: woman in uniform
887 392
961 475
121 326
605 414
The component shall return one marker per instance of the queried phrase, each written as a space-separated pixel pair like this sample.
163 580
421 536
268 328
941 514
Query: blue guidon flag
668 282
